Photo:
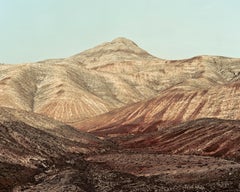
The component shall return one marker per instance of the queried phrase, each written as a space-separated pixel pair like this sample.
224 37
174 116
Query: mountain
116 118
107 77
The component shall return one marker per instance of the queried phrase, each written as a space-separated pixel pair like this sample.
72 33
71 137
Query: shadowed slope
184 153
33 160
208 137
40 159
30 163
26 131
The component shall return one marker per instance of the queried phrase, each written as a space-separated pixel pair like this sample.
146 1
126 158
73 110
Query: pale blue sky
32 30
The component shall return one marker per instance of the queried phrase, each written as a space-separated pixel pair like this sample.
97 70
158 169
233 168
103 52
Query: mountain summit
118 50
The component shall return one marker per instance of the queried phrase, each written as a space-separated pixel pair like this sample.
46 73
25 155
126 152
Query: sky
33 30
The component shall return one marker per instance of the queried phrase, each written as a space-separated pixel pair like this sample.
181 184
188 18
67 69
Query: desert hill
104 78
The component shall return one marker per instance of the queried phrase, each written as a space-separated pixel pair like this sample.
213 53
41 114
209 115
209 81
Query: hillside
106 77
204 137
171 107
41 154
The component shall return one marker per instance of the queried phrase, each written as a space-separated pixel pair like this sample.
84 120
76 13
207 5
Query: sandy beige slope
109 76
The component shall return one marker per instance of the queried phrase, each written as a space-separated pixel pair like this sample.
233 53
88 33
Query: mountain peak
118 50
123 40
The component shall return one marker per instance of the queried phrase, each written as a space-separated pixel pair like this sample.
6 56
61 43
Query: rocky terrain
37 159
116 118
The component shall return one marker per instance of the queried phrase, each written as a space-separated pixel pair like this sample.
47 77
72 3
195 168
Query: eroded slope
109 76
207 137
171 107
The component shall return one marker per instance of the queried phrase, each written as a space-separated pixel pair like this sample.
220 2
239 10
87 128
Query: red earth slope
208 137
172 107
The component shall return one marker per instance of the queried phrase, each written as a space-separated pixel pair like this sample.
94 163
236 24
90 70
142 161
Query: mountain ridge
71 90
